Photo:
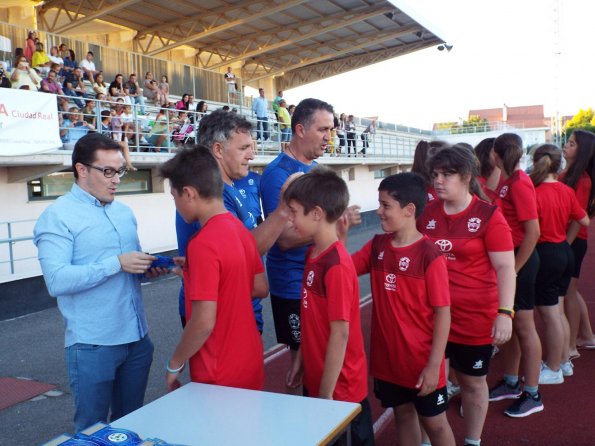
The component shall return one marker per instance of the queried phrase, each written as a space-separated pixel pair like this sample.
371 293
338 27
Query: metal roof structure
293 41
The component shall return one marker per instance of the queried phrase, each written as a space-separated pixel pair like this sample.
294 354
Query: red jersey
492 195
557 206
583 193
407 282
516 198
330 292
465 240
221 262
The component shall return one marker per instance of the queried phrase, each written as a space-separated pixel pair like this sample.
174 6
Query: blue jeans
139 100
262 129
104 376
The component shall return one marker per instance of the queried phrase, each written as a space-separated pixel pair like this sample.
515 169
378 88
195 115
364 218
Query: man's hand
290 179
135 262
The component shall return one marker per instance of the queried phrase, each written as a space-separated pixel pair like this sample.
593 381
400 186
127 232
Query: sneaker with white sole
525 406
549 376
504 391
567 368
452 389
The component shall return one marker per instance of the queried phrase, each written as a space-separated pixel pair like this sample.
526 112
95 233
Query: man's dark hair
406 187
196 167
91 53
219 126
320 187
304 112
86 148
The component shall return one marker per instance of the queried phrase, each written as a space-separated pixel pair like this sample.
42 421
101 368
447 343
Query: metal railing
9 240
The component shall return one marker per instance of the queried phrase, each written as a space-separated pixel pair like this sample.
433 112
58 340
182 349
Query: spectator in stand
63 49
76 79
284 123
4 81
40 59
164 89
127 117
100 86
183 103
276 103
30 45
340 129
201 110
63 131
116 122
77 128
23 75
135 93
230 81
55 58
151 90
70 91
191 104
116 88
89 112
88 67
351 136
69 62
260 109
291 109
159 136
370 130
50 85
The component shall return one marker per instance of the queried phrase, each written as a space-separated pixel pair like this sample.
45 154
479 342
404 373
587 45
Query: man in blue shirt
249 189
228 136
260 108
91 260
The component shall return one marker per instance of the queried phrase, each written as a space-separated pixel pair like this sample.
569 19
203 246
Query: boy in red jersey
331 357
411 314
222 272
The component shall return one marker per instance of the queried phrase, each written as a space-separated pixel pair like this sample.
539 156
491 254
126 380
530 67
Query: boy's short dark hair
194 166
320 187
406 187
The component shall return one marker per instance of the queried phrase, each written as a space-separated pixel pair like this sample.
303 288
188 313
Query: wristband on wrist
506 312
170 370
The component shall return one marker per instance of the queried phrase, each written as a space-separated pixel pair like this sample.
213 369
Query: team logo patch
440 400
473 224
503 191
117 437
444 245
251 182
294 321
478 365
242 193
404 263
390 283
430 197
381 255
310 278
431 224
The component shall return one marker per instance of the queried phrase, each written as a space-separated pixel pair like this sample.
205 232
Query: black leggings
351 141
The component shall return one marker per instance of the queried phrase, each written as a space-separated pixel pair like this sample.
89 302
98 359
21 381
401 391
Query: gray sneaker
549 376
503 391
525 406
567 367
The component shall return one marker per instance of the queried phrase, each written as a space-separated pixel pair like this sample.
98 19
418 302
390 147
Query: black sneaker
503 391
525 406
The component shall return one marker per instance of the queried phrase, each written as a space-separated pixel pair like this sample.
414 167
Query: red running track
568 417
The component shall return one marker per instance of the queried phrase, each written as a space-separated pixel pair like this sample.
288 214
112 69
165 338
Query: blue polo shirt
249 189
284 268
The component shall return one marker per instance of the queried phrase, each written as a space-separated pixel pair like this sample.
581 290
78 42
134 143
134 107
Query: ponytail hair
547 159
583 162
509 147
482 152
461 160
423 152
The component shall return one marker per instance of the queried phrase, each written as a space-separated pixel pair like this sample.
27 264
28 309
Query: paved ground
31 346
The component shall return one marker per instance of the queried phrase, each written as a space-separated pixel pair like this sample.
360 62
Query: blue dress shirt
260 107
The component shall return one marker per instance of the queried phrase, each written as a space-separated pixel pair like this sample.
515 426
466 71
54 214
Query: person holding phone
23 75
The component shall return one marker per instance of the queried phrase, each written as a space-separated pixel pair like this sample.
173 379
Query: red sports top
407 283
516 198
431 193
465 240
557 206
221 262
330 292
492 195
583 193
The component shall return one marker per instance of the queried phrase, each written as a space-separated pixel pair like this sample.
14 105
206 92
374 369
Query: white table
204 415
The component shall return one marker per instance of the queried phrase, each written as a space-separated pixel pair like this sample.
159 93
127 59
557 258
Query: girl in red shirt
476 241
489 172
557 207
516 198
580 176
423 152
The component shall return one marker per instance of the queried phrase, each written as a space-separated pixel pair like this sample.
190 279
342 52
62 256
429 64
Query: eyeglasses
109 172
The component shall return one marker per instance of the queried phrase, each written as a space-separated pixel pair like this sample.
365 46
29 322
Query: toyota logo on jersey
404 263
310 278
444 245
390 283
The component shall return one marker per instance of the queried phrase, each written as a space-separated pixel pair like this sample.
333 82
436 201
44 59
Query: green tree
583 120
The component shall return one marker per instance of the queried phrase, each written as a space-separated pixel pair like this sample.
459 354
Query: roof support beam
265 11
100 13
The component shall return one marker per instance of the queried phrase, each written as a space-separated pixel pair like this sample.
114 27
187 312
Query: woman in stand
100 86
30 45
340 128
476 241
183 103
557 207
579 153
23 76
519 206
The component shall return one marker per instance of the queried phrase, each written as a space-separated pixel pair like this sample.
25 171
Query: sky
504 52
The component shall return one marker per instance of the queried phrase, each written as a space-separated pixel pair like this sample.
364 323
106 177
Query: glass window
381 173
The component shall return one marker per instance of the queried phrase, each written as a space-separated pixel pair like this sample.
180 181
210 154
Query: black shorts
286 315
472 360
393 395
362 428
524 298
556 264
579 249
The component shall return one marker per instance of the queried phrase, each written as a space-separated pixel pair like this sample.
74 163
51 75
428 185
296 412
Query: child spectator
164 89
89 112
412 319
151 90
100 86
222 271
116 123
331 357
106 129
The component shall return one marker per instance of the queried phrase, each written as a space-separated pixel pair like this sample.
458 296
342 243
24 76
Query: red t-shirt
557 206
583 193
330 292
407 282
465 240
492 195
221 262
516 198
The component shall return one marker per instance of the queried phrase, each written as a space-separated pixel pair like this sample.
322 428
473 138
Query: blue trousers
107 376
262 128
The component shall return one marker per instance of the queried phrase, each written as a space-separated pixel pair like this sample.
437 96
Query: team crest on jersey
251 182
305 297
310 278
440 399
431 224
430 197
381 255
404 263
242 192
503 191
390 282
473 224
